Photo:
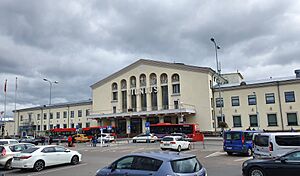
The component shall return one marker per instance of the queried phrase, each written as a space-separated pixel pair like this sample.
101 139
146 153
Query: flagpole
15 107
4 105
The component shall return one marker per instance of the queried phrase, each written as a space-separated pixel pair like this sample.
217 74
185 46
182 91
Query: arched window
132 82
163 78
114 88
153 79
143 80
175 84
124 95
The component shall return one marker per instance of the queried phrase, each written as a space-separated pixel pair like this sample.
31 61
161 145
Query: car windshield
187 165
30 150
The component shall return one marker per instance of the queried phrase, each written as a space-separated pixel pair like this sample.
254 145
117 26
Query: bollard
203 144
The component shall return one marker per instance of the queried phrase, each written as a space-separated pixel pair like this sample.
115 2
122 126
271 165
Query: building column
161 119
143 124
128 125
138 102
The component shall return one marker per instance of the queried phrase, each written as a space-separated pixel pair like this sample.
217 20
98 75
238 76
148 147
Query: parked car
174 143
238 142
81 138
9 150
156 164
39 157
106 137
29 139
144 138
269 145
287 164
8 141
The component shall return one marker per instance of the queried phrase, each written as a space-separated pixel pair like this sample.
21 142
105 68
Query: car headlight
245 164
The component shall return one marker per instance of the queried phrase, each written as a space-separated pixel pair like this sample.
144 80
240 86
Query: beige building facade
37 120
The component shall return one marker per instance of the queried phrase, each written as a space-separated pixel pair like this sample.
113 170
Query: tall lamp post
218 80
50 84
257 115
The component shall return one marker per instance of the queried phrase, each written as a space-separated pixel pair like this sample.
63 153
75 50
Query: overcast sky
78 43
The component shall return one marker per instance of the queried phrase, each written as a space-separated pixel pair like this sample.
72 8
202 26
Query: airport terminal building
163 92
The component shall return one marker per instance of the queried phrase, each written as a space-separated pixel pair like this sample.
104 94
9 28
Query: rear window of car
3 142
167 139
262 141
30 150
17 148
290 140
233 136
188 165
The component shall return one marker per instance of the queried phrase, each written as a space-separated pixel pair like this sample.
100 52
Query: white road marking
59 169
216 154
243 159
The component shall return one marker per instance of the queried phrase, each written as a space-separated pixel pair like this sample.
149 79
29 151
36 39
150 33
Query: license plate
166 144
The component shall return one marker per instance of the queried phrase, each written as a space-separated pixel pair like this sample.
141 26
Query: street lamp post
50 84
218 80
257 114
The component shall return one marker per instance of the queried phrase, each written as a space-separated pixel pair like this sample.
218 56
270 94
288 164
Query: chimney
297 73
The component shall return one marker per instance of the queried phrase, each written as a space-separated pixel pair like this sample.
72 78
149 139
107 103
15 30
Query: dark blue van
238 142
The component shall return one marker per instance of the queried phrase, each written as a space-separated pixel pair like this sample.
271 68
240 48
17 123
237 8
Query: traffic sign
108 127
147 124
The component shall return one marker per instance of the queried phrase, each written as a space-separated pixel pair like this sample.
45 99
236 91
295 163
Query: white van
269 145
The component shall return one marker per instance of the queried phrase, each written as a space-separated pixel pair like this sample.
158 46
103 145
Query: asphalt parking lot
211 156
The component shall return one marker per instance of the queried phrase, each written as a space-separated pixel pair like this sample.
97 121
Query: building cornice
178 66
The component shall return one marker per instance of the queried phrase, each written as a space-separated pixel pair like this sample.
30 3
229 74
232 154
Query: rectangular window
65 114
165 97
235 101
51 115
251 99
144 100
272 120
87 112
154 98
176 106
38 116
133 100
270 98
51 126
79 113
237 122
39 127
57 125
292 119
45 116
124 101
219 119
289 96
45 127
72 114
65 125
253 121
72 125
219 102
114 109
79 125
176 88
87 124
58 115
21 118
115 96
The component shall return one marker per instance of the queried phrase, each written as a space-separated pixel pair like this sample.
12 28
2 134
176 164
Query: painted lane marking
59 169
243 159
216 154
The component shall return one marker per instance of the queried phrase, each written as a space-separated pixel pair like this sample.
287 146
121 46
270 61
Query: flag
5 85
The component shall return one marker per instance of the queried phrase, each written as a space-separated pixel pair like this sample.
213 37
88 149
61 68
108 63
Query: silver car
9 150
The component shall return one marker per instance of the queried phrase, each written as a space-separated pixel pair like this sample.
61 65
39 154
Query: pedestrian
94 140
43 140
50 140
249 129
73 141
70 141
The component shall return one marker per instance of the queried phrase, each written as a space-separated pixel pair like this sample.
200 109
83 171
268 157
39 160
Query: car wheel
75 160
256 171
249 152
229 153
179 148
8 165
39 165
189 147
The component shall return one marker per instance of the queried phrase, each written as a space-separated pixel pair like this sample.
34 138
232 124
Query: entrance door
121 128
136 126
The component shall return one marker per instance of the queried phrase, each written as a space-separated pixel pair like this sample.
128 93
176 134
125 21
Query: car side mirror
283 160
113 167
67 151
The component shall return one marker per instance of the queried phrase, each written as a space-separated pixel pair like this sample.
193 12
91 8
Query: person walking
50 140
95 140
43 140
70 141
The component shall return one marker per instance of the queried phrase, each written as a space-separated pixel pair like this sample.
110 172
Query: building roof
58 105
260 83
179 66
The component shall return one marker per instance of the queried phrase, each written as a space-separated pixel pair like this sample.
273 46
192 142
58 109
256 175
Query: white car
106 137
37 158
144 138
174 143
8 141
